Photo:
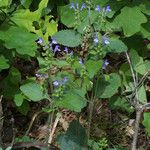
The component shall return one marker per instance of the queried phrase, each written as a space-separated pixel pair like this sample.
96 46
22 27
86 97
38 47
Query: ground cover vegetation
75 75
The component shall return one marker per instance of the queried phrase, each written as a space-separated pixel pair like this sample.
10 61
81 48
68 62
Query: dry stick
139 108
52 130
31 122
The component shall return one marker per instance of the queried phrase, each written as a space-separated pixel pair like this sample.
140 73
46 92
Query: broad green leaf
142 95
74 139
4 3
33 91
24 108
144 6
146 122
145 29
93 67
26 3
117 46
130 19
20 39
3 63
67 16
68 38
118 103
106 88
10 85
50 28
72 100
137 62
18 99
14 75
25 18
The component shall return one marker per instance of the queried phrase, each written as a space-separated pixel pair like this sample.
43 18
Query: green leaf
67 16
118 103
4 3
3 63
24 108
74 139
73 100
130 19
146 122
10 85
50 28
144 6
20 39
137 62
106 88
93 67
117 46
15 76
145 29
33 91
26 3
68 38
18 99
24 17
142 95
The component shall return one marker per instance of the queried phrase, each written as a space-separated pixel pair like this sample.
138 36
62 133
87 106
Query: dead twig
52 130
32 121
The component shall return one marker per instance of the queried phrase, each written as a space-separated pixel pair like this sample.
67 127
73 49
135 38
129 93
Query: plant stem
137 122
32 121
91 105
54 128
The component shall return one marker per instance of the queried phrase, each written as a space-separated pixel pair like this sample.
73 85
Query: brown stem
137 123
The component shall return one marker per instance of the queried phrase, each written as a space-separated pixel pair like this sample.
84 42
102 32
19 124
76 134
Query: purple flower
41 76
96 40
57 49
106 40
38 75
83 6
64 80
56 83
40 41
71 53
54 41
97 8
108 9
105 64
72 6
81 61
66 49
